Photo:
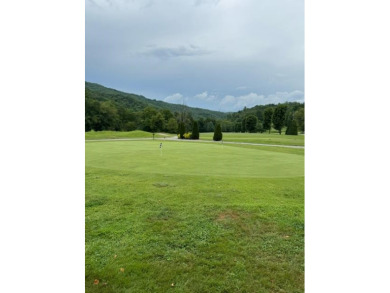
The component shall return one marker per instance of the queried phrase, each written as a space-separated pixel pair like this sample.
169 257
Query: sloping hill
137 102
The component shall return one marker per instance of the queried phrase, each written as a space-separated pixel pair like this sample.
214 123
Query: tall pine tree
217 133
182 130
195 130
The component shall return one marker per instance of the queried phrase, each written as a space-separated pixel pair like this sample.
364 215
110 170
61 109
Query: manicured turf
120 134
193 217
264 138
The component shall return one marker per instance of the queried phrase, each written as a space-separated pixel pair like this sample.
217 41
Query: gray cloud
230 103
235 103
181 51
224 48
280 97
201 2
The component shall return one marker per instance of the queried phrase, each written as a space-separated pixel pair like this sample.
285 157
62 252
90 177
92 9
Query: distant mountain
138 103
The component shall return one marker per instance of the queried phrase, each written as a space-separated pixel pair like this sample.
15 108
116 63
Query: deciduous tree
210 126
278 118
172 125
156 122
268 112
259 127
250 123
300 118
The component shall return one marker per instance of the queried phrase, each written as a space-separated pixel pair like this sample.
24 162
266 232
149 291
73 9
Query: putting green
192 158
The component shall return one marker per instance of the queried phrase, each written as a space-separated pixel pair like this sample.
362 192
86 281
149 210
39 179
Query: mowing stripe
205 141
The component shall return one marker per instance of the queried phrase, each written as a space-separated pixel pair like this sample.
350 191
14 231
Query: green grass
205 217
263 138
121 134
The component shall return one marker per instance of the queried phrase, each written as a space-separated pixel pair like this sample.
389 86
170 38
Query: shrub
187 135
292 128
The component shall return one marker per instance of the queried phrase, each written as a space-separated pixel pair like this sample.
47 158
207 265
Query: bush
292 128
217 133
187 135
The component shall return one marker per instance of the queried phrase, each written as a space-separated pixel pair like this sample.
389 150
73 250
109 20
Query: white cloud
227 100
281 97
205 97
201 96
232 103
175 98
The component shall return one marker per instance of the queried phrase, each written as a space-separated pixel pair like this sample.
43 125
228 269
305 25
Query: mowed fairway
193 217
262 138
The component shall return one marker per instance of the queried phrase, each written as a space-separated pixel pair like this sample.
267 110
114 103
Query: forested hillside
138 103
109 109
261 118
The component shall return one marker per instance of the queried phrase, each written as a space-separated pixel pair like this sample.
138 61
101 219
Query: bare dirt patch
228 215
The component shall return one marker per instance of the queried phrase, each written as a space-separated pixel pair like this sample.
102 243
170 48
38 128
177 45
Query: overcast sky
215 54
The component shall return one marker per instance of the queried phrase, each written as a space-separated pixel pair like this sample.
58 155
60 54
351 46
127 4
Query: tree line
262 118
108 115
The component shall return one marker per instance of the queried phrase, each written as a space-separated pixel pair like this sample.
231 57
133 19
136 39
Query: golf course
164 215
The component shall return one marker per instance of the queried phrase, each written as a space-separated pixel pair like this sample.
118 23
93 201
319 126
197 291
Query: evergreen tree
292 128
195 131
182 129
217 133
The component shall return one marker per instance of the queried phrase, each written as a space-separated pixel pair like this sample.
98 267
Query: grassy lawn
264 138
193 217
121 134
